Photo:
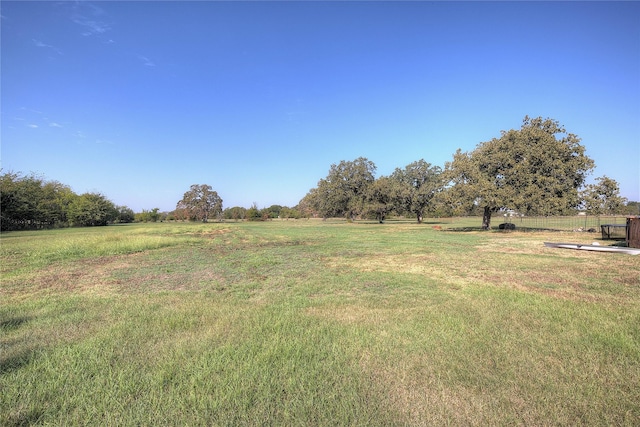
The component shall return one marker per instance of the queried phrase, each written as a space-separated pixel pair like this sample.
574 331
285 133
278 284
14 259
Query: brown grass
513 261
103 276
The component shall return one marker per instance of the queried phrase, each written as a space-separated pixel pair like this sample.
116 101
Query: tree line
539 169
31 202
202 203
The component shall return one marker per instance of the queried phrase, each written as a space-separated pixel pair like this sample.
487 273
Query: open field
316 323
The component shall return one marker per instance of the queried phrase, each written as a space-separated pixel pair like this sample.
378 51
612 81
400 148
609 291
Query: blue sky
139 100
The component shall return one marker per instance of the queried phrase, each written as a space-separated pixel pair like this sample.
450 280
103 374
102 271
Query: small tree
631 208
288 212
235 213
125 214
255 214
603 197
148 216
200 203
273 211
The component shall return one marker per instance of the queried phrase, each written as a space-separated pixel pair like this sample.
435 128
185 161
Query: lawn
311 322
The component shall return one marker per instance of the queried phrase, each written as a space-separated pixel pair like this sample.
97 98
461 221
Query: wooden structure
633 232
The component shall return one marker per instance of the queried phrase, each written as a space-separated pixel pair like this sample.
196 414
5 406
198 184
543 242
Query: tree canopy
343 192
200 203
537 169
31 202
419 183
351 189
382 197
603 197
91 209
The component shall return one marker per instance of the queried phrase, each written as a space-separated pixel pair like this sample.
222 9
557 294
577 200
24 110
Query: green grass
315 323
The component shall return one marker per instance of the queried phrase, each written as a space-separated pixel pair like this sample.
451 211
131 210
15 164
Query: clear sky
139 100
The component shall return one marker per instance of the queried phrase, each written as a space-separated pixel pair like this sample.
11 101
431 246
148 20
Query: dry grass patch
382 262
512 260
425 398
104 276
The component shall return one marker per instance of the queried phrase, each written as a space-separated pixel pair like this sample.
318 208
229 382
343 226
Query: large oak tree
419 183
200 203
382 197
537 169
344 191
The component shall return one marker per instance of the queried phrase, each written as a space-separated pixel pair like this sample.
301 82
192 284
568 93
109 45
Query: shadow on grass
516 230
463 229
16 362
496 230
13 323
12 363
399 221
619 244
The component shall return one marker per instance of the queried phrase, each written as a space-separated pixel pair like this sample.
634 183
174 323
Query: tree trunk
418 216
486 218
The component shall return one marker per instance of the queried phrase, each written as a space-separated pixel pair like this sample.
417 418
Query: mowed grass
316 323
